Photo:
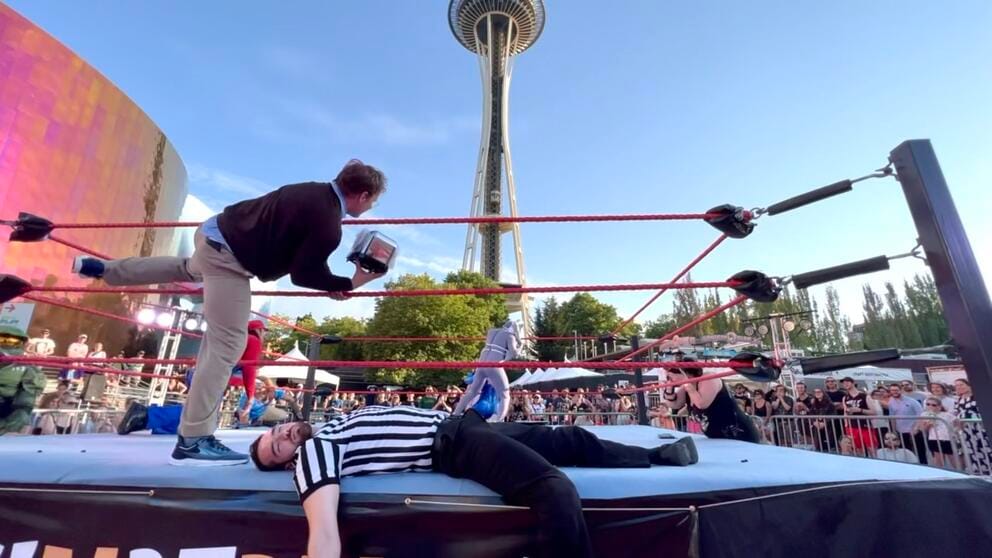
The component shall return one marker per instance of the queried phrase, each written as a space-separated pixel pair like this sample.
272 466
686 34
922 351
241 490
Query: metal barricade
909 439
973 437
581 418
75 421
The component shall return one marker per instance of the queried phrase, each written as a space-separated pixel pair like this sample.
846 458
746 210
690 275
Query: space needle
496 31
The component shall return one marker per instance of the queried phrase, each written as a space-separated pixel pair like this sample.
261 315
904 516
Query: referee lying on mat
515 460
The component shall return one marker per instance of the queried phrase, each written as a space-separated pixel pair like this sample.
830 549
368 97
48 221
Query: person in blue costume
165 419
489 390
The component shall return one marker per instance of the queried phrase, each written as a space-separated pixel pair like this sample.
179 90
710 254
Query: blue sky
646 106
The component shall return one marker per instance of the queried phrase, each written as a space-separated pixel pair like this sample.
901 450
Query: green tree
878 330
901 321
686 307
656 328
581 315
924 308
548 322
342 327
433 316
281 339
833 326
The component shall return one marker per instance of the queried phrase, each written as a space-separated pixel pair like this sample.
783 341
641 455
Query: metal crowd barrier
893 438
583 418
75 421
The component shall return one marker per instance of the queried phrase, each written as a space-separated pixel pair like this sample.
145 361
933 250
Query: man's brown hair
357 177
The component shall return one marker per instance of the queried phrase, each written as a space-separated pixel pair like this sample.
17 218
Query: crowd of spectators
939 429
939 426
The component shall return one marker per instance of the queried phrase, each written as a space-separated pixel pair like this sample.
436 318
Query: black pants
518 461
916 443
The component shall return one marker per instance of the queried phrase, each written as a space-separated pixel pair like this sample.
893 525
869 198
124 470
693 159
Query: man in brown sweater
291 231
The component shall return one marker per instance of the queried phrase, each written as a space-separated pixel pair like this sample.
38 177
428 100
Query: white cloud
194 209
438 264
376 127
320 306
295 62
214 180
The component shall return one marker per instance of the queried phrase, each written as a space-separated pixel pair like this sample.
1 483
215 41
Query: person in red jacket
249 372
165 420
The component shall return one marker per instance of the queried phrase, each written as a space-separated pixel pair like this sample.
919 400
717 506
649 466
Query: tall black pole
313 353
642 400
952 262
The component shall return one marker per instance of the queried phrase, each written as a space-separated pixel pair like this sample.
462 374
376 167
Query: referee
517 461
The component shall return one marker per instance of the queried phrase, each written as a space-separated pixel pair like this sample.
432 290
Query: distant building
75 148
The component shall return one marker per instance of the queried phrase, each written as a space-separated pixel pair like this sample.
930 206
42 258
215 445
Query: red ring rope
412 292
431 220
396 364
675 279
698 320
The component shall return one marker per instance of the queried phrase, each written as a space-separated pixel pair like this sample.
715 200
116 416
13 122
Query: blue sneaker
85 266
205 451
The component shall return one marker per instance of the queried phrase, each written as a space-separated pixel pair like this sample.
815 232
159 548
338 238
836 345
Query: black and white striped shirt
370 440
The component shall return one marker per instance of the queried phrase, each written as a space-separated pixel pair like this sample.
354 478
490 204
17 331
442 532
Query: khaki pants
226 308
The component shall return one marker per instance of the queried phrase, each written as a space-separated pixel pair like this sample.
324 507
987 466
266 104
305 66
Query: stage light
165 319
146 316
749 331
191 324
203 326
762 330
789 326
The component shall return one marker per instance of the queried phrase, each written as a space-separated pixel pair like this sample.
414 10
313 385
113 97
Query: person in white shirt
941 392
537 408
79 349
892 451
936 423
41 346
98 352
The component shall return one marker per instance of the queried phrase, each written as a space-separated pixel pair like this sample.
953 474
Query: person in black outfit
290 231
711 405
823 430
518 461
743 398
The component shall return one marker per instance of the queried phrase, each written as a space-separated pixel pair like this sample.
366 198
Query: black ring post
952 262
642 400
313 353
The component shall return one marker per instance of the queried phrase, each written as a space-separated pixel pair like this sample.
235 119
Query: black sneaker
88 267
205 451
136 418
680 453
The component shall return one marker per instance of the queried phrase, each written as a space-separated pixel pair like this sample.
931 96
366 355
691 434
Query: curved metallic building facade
75 148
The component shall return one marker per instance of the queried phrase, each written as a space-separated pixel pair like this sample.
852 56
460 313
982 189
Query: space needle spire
496 31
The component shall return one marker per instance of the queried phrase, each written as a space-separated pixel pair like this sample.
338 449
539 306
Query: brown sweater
291 231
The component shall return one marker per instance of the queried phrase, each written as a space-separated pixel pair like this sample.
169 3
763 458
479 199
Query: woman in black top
762 409
820 405
711 405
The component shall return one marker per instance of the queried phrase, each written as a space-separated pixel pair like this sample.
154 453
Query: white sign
947 374
16 314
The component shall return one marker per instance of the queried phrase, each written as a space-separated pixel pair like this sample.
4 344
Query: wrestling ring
106 496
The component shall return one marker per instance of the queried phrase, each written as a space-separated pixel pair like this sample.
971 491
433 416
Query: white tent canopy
872 374
553 374
297 373
535 377
522 379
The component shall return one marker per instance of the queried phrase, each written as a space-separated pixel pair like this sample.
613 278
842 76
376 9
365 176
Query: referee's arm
317 480
321 508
